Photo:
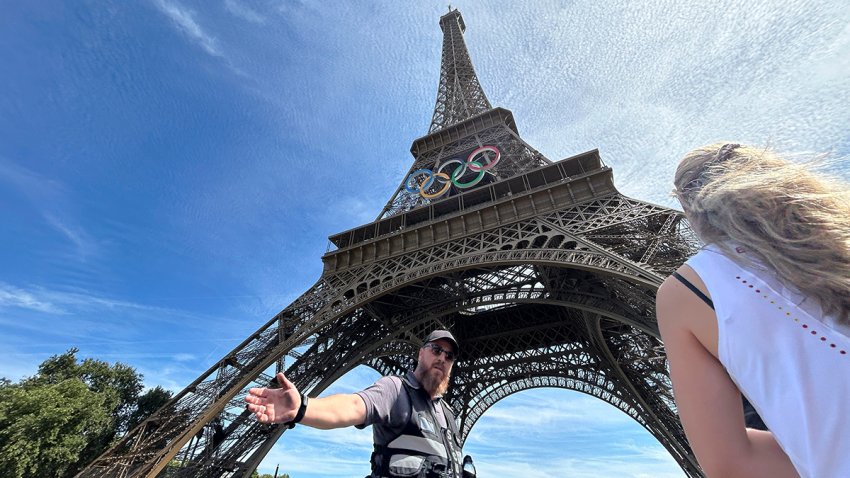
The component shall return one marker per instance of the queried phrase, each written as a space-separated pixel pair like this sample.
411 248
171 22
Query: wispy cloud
549 410
34 186
184 19
167 375
62 302
243 11
168 345
52 200
86 246
14 297
183 357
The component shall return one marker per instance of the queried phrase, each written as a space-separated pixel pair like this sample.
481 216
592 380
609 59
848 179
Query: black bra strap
694 289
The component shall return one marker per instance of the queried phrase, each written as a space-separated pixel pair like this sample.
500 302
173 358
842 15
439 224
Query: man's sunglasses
437 350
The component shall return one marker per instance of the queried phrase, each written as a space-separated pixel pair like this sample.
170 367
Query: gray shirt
388 407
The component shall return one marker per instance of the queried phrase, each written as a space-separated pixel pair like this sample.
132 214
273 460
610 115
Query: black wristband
301 411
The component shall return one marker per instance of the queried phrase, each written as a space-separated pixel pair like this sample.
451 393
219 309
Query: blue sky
170 170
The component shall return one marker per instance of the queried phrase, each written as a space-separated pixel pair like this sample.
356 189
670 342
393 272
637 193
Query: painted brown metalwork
545 273
459 95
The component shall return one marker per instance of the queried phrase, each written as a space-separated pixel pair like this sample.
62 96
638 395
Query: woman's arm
708 402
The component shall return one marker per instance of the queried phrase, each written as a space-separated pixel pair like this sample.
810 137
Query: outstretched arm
280 405
707 399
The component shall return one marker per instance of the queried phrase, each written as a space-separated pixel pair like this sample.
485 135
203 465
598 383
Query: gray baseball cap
442 334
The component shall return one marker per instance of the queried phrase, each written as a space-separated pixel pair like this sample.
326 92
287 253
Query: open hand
274 405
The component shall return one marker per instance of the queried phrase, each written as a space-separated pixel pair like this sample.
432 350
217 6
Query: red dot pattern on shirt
788 314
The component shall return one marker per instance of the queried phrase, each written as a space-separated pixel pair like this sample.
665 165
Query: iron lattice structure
545 273
459 95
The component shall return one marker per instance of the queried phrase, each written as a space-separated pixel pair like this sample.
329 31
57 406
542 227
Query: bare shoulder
679 310
673 292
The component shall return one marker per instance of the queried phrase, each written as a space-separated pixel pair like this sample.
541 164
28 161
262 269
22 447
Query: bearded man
413 429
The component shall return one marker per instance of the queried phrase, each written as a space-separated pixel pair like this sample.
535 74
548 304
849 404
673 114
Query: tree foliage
68 413
120 383
149 402
44 430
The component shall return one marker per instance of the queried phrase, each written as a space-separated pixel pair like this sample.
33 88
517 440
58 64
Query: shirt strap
694 289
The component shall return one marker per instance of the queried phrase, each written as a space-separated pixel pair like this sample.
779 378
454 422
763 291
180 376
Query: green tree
149 402
68 413
118 384
44 430
121 382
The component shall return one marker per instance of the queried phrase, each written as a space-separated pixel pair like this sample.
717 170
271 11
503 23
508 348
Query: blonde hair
791 219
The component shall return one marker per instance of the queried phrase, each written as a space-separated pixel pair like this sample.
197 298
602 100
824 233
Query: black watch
301 411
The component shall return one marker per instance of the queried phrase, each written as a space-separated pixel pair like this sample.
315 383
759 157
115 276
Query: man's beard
434 385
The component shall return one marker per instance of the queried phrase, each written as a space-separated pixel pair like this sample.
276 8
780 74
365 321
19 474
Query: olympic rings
423 186
468 184
488 165
439 193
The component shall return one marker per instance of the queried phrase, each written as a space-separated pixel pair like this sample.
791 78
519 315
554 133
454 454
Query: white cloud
36 187
114 327
243 11
182 357
56 301
184 19
550 409
168 377
11 296
551 432
53 200
85 245
645 85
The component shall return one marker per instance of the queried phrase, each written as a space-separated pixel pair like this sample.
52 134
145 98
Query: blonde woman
764 310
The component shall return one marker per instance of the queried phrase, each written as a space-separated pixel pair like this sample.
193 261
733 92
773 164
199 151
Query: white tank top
791 362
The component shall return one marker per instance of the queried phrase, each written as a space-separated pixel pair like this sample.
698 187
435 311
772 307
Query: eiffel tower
544 272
